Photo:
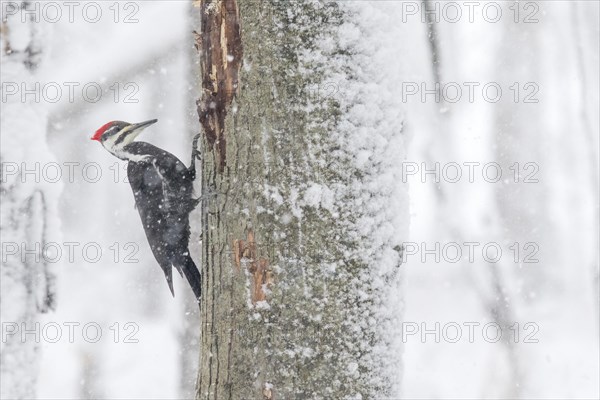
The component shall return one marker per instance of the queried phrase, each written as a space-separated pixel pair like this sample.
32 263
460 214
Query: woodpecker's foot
195 202
196 154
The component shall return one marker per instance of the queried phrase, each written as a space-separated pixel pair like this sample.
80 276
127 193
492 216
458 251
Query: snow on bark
28 212
350 179
371 152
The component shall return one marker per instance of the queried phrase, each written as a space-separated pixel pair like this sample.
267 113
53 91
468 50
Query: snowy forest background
547 204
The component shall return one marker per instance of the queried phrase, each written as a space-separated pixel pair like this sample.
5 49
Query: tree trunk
28 206
301 232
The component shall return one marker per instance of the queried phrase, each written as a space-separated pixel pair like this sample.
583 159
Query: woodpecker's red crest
101 130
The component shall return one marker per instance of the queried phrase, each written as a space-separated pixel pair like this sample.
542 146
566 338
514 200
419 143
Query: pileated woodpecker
162 187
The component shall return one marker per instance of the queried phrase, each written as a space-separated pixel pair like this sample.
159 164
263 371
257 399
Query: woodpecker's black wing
163 187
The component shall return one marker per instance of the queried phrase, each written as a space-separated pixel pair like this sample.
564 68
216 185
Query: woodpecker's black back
163 187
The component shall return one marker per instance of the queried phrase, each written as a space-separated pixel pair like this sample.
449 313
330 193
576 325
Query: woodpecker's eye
111 132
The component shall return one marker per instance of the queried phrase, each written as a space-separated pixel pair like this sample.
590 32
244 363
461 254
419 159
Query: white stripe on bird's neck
118 149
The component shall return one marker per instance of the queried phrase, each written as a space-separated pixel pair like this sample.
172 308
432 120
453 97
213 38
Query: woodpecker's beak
133 130
140 126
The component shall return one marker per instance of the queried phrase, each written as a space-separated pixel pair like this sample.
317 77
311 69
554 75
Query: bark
293 287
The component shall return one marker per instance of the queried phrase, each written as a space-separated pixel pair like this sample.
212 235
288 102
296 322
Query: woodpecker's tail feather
169 276
192 275
178 268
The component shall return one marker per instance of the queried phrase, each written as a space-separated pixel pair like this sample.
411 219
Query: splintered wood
220 46
246 254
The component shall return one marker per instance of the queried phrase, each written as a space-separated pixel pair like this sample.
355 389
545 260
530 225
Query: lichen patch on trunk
220 46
